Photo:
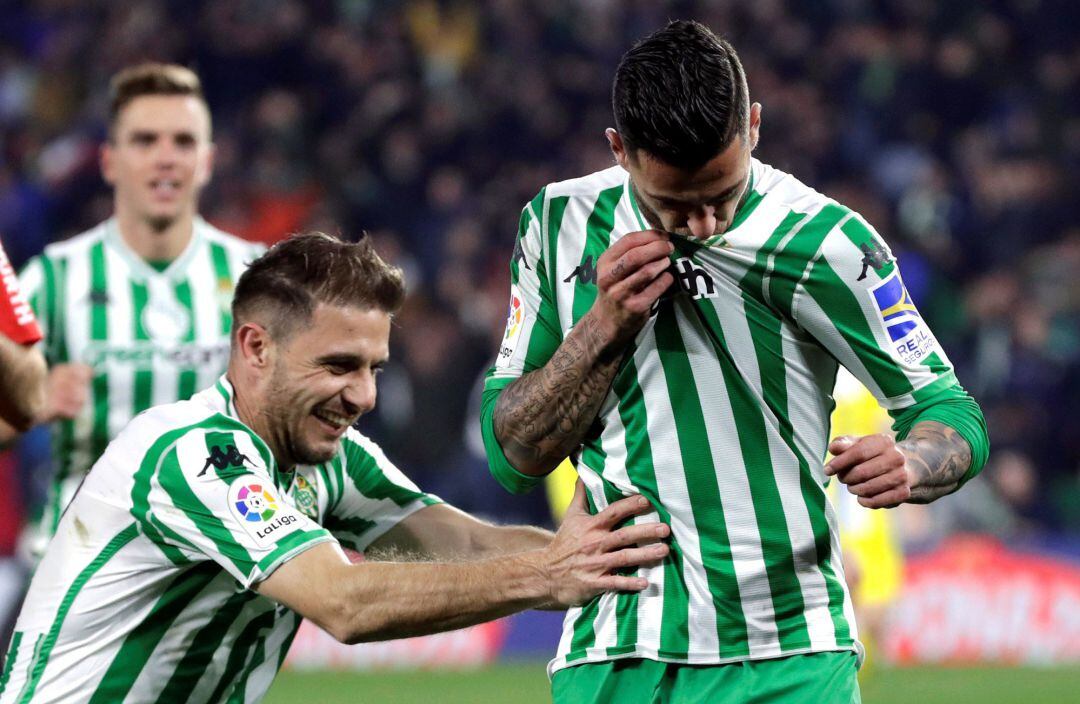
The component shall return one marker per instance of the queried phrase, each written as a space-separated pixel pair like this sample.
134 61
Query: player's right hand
630 276
66 390
588 552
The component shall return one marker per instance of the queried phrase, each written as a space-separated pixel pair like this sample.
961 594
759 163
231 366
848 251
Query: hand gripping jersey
719 414
144 595
17 320
152 336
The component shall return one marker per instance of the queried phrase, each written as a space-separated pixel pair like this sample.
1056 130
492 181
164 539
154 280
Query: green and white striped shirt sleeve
206 493
853 300
368 494
532 332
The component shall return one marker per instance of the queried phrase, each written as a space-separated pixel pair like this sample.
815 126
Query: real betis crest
307 499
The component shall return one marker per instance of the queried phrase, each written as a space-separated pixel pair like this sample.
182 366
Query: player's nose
702 222
359 395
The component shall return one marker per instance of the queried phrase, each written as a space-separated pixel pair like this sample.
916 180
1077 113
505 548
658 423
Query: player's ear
618 148
105 161
255 345
205 167
755 124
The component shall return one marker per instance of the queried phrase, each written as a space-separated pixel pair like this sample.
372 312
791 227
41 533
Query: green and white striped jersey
720 416
152 336
144 595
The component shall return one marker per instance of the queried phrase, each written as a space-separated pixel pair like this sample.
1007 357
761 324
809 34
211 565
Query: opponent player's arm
542 417
383 600
22 386
442 532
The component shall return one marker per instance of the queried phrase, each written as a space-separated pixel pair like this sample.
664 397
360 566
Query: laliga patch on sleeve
255 504
515 321
908 333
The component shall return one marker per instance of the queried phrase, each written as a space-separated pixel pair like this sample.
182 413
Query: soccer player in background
22 366
209 527
135 311
676 324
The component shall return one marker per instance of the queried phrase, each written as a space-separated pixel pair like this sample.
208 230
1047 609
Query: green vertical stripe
144 378
11 658
223 274
238 654
99 332
597 237
556 211
749 421
641 466
41 658
626 603
765 326
200 653
141 642
188 380
700 473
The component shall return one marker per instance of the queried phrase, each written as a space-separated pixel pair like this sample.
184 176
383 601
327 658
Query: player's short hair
151 79
283 287
680 95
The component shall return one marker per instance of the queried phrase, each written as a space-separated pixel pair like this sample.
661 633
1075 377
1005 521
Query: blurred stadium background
953 127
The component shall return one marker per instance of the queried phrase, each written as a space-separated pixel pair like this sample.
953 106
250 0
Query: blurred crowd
953 127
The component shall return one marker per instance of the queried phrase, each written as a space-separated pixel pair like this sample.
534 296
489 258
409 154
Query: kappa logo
585 272
519 255
874 255
98 297
221 459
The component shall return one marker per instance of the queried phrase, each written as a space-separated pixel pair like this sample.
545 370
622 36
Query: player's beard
289 417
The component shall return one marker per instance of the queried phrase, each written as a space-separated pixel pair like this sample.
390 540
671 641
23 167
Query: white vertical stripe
569 253
675 496
604 626
76 301
206 312
121 335
739 509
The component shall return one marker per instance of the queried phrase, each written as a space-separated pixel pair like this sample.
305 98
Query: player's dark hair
680 95
150 79
283 287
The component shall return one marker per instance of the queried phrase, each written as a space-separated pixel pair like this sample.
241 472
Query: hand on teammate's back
630 276
66 391
589 550
873 468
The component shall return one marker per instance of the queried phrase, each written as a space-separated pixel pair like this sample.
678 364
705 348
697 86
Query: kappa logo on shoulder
221 459
874 256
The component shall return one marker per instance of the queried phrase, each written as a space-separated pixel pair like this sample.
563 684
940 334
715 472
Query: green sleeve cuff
512 480
954 407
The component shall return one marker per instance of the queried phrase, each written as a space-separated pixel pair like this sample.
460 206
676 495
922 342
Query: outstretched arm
542 417
383 600
930 463
442 532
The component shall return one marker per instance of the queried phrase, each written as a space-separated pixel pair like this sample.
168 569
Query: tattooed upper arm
938 457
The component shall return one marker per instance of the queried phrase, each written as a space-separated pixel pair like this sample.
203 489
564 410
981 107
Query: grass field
527 684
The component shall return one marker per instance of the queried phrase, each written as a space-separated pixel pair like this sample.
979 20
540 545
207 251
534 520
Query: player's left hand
873 468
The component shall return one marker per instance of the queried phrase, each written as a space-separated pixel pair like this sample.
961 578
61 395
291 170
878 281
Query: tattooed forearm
543 416
937 457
